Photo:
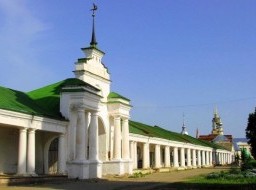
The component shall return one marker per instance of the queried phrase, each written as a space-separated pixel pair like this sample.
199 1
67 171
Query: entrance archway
53 157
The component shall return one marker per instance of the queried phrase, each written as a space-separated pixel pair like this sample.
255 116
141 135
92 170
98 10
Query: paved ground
152 181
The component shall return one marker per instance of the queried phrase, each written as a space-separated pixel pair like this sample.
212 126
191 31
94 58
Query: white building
80 128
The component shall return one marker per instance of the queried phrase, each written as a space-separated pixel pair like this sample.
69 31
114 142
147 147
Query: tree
251 132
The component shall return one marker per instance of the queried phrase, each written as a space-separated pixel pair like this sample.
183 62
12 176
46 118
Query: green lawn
238 180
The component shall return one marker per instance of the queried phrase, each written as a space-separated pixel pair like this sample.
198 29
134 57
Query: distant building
184 129
217 134
241 143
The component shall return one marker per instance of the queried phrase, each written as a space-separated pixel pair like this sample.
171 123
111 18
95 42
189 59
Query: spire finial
216 111
184 130
93 40
183 115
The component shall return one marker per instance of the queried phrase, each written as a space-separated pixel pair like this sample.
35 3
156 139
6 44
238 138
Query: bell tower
217 124
90 68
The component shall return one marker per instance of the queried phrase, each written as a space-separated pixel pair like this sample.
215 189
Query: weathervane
94 9
93 40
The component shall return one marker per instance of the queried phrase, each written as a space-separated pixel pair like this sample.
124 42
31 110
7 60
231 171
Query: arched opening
139 156
103 155
53 157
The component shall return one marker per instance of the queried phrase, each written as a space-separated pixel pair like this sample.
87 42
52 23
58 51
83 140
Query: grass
232 178
138 175
222 180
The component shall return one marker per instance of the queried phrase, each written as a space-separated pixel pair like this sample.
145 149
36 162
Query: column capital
94 113
62 135
121 116
31 130
80 109
23 129
117 117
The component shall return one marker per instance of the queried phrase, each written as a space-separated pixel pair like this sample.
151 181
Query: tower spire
93 40
184 130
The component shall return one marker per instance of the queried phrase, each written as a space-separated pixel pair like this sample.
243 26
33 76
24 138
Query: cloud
19 33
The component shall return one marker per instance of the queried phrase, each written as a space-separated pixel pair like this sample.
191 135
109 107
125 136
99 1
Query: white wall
8 149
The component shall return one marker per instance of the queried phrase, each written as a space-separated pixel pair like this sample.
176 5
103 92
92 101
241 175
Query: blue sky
169 56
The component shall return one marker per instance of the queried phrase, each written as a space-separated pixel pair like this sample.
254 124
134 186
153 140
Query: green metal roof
48 97
116 95
155 131
18 101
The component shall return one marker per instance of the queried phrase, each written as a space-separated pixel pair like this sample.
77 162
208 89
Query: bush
235 170
247 166
213 176
138 175
253 163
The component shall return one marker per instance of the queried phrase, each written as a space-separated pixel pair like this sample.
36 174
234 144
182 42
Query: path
116 183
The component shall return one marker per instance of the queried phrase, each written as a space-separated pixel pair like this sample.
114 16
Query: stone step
9 180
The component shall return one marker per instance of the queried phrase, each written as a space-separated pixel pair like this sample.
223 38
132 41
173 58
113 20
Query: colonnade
121 148
177 156
27 152
86 135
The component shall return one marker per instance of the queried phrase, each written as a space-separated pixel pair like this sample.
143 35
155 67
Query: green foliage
248 164
251 132
234 174
253 163
138 175
237 159
235 170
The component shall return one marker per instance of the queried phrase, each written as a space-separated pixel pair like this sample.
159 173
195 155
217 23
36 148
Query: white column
207 158
175 157
203 158
22 152
125 140
218 158
188 157
199 162
210 158
167 161
182 157
157 156
86 136
61 155
93 138
132 152
31 159
214 161
117 138
145 156
72 135
80 135
135 155
194 158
